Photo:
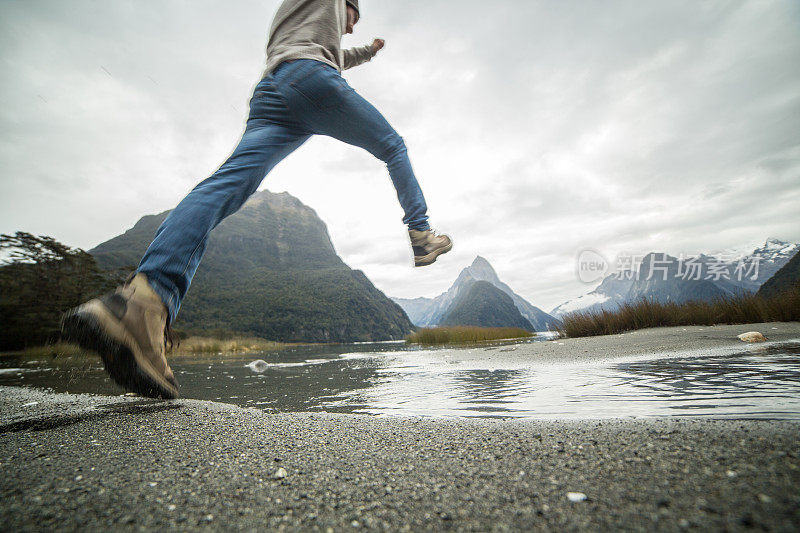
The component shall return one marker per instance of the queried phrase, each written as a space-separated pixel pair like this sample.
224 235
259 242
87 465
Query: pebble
752 336
576 497
259 366
280 473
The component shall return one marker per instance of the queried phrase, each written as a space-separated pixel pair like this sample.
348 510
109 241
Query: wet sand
639 344
80 462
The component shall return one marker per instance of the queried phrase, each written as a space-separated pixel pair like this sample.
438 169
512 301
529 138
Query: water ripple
385 379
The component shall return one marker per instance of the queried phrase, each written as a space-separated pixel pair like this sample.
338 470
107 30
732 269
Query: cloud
535 128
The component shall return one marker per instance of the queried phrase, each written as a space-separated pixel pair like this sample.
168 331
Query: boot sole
122 364
429 259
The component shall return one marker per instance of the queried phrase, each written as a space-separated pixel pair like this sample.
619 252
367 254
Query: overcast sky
536 128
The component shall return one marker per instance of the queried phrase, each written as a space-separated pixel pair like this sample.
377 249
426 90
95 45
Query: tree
39 280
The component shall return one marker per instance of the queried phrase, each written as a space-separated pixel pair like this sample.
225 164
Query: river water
395 379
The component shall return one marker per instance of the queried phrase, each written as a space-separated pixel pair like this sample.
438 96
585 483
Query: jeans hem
420 227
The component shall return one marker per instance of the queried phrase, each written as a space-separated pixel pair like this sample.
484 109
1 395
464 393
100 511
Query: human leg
129 327
327 105
175 253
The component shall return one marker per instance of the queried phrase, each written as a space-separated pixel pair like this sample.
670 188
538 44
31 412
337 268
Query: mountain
660 279
483 304
702 277
271 270
430 311
785 278
609 295
771 257
416 309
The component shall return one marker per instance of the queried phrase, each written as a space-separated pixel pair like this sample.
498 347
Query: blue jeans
298 99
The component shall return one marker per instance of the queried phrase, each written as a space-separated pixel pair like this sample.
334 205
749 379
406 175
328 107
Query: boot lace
435 235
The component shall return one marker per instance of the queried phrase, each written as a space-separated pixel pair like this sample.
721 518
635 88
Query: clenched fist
377 44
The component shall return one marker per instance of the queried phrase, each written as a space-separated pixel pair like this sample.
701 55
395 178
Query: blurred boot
128 329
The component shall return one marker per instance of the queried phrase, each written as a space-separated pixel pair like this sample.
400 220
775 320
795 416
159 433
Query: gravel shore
81 462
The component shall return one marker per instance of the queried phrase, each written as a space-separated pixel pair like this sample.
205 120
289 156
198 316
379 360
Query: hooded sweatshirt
312 29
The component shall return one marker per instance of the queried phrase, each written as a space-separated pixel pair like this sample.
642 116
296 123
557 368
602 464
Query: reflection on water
392 379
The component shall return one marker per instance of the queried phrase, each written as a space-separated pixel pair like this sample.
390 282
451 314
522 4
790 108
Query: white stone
576 497
259 366
752 336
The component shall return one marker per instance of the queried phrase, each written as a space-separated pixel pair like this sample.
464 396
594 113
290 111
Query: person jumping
301 94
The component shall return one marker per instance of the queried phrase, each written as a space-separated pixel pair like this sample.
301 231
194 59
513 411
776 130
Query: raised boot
128 329
427 246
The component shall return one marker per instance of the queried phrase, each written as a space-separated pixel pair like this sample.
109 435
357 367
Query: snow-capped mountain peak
775 249
743 268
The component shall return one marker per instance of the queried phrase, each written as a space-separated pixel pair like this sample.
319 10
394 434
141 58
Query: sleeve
352 57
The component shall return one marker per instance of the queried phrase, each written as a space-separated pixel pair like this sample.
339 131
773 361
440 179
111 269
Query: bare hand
377 44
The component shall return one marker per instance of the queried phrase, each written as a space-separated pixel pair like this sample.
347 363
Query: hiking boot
128 329
427 246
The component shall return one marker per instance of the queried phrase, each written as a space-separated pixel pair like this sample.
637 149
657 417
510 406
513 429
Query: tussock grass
464 334
192 345
59 349
784 307
208 345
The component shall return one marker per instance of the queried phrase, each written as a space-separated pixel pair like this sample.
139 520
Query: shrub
783 307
